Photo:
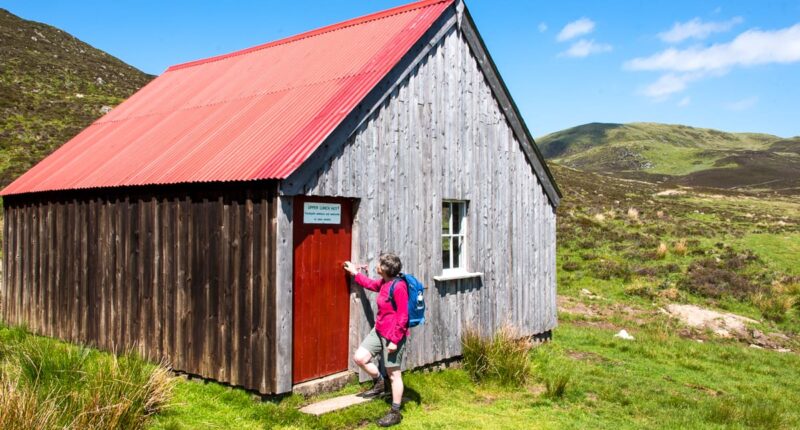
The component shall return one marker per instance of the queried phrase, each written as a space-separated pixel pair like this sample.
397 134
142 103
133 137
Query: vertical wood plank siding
181 274
441 135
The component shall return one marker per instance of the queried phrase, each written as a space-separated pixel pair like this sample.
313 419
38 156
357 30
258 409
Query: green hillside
52 86
679 154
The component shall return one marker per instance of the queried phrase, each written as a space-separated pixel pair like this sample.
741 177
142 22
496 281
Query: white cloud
697 29
669 84
584 48
750 48
542 27
575 29
742 104
685 101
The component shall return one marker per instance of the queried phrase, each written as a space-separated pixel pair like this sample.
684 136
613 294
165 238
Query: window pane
456 252
457 218
446 252
445 218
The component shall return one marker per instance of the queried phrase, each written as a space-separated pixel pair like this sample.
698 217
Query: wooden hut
205 220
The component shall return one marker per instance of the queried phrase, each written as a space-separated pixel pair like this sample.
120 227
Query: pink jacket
390 323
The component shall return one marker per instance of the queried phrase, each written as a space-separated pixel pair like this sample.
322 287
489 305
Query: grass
782 250
584 378
47 384
502 358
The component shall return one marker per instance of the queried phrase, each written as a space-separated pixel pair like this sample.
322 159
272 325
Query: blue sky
729 65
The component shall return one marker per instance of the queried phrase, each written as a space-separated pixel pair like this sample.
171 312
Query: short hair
390 264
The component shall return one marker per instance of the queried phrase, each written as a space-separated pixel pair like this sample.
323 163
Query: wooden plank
257 293
212 292
145 276
11 264
270 245
235 280
24 292
284 251
154 335
198 285
183 282
253 293
167 287
242 292
7 262
89 297
72 277
39 241
168 247
16 268
117 315
225 299
132 276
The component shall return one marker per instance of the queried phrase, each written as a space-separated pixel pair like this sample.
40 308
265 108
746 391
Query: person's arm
364 281
401 317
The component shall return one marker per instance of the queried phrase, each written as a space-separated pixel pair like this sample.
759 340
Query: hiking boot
391 418
378 389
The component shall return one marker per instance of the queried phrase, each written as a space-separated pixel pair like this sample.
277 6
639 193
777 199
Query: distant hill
52 86
679 154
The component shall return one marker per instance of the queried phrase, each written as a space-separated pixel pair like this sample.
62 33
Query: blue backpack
416 299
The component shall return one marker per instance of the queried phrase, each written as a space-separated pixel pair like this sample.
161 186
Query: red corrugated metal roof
254 114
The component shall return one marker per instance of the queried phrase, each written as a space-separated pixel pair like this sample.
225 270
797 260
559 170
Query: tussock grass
22 409
773 306
502 358
680 247
633 214
661 251
475 353
47 384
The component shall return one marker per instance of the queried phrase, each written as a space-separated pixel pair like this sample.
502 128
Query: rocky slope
52 85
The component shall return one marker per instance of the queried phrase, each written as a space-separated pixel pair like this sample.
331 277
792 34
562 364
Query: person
388 337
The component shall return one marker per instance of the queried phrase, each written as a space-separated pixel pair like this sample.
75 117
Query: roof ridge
312 33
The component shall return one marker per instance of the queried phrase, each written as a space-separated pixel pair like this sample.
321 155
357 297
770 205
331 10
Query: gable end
509 108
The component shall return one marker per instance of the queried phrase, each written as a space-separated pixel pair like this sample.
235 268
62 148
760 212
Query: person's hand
391 347
350 267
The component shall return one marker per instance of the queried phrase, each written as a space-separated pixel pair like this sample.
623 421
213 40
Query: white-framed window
454 236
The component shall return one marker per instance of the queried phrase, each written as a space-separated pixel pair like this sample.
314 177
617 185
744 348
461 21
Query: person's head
389 265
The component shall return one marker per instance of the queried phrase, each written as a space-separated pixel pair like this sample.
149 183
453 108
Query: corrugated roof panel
253 114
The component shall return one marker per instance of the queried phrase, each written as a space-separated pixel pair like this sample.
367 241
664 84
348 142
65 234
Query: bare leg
363 359
396 375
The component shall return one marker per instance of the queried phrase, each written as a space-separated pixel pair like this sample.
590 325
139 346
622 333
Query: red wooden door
322 232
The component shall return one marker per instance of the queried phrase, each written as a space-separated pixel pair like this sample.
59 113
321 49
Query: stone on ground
334 404
722 324
623 334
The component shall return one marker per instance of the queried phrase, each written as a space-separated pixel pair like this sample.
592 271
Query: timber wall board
184 274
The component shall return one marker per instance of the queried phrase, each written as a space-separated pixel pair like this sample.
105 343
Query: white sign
322 213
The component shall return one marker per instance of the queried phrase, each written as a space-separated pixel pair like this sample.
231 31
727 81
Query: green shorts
376 344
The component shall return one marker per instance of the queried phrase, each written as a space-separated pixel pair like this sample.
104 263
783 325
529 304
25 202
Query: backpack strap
391 290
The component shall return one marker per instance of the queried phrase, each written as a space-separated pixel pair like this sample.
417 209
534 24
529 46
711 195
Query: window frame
463 256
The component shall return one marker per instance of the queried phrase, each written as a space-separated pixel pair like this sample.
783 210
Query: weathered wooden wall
184 274
442 135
